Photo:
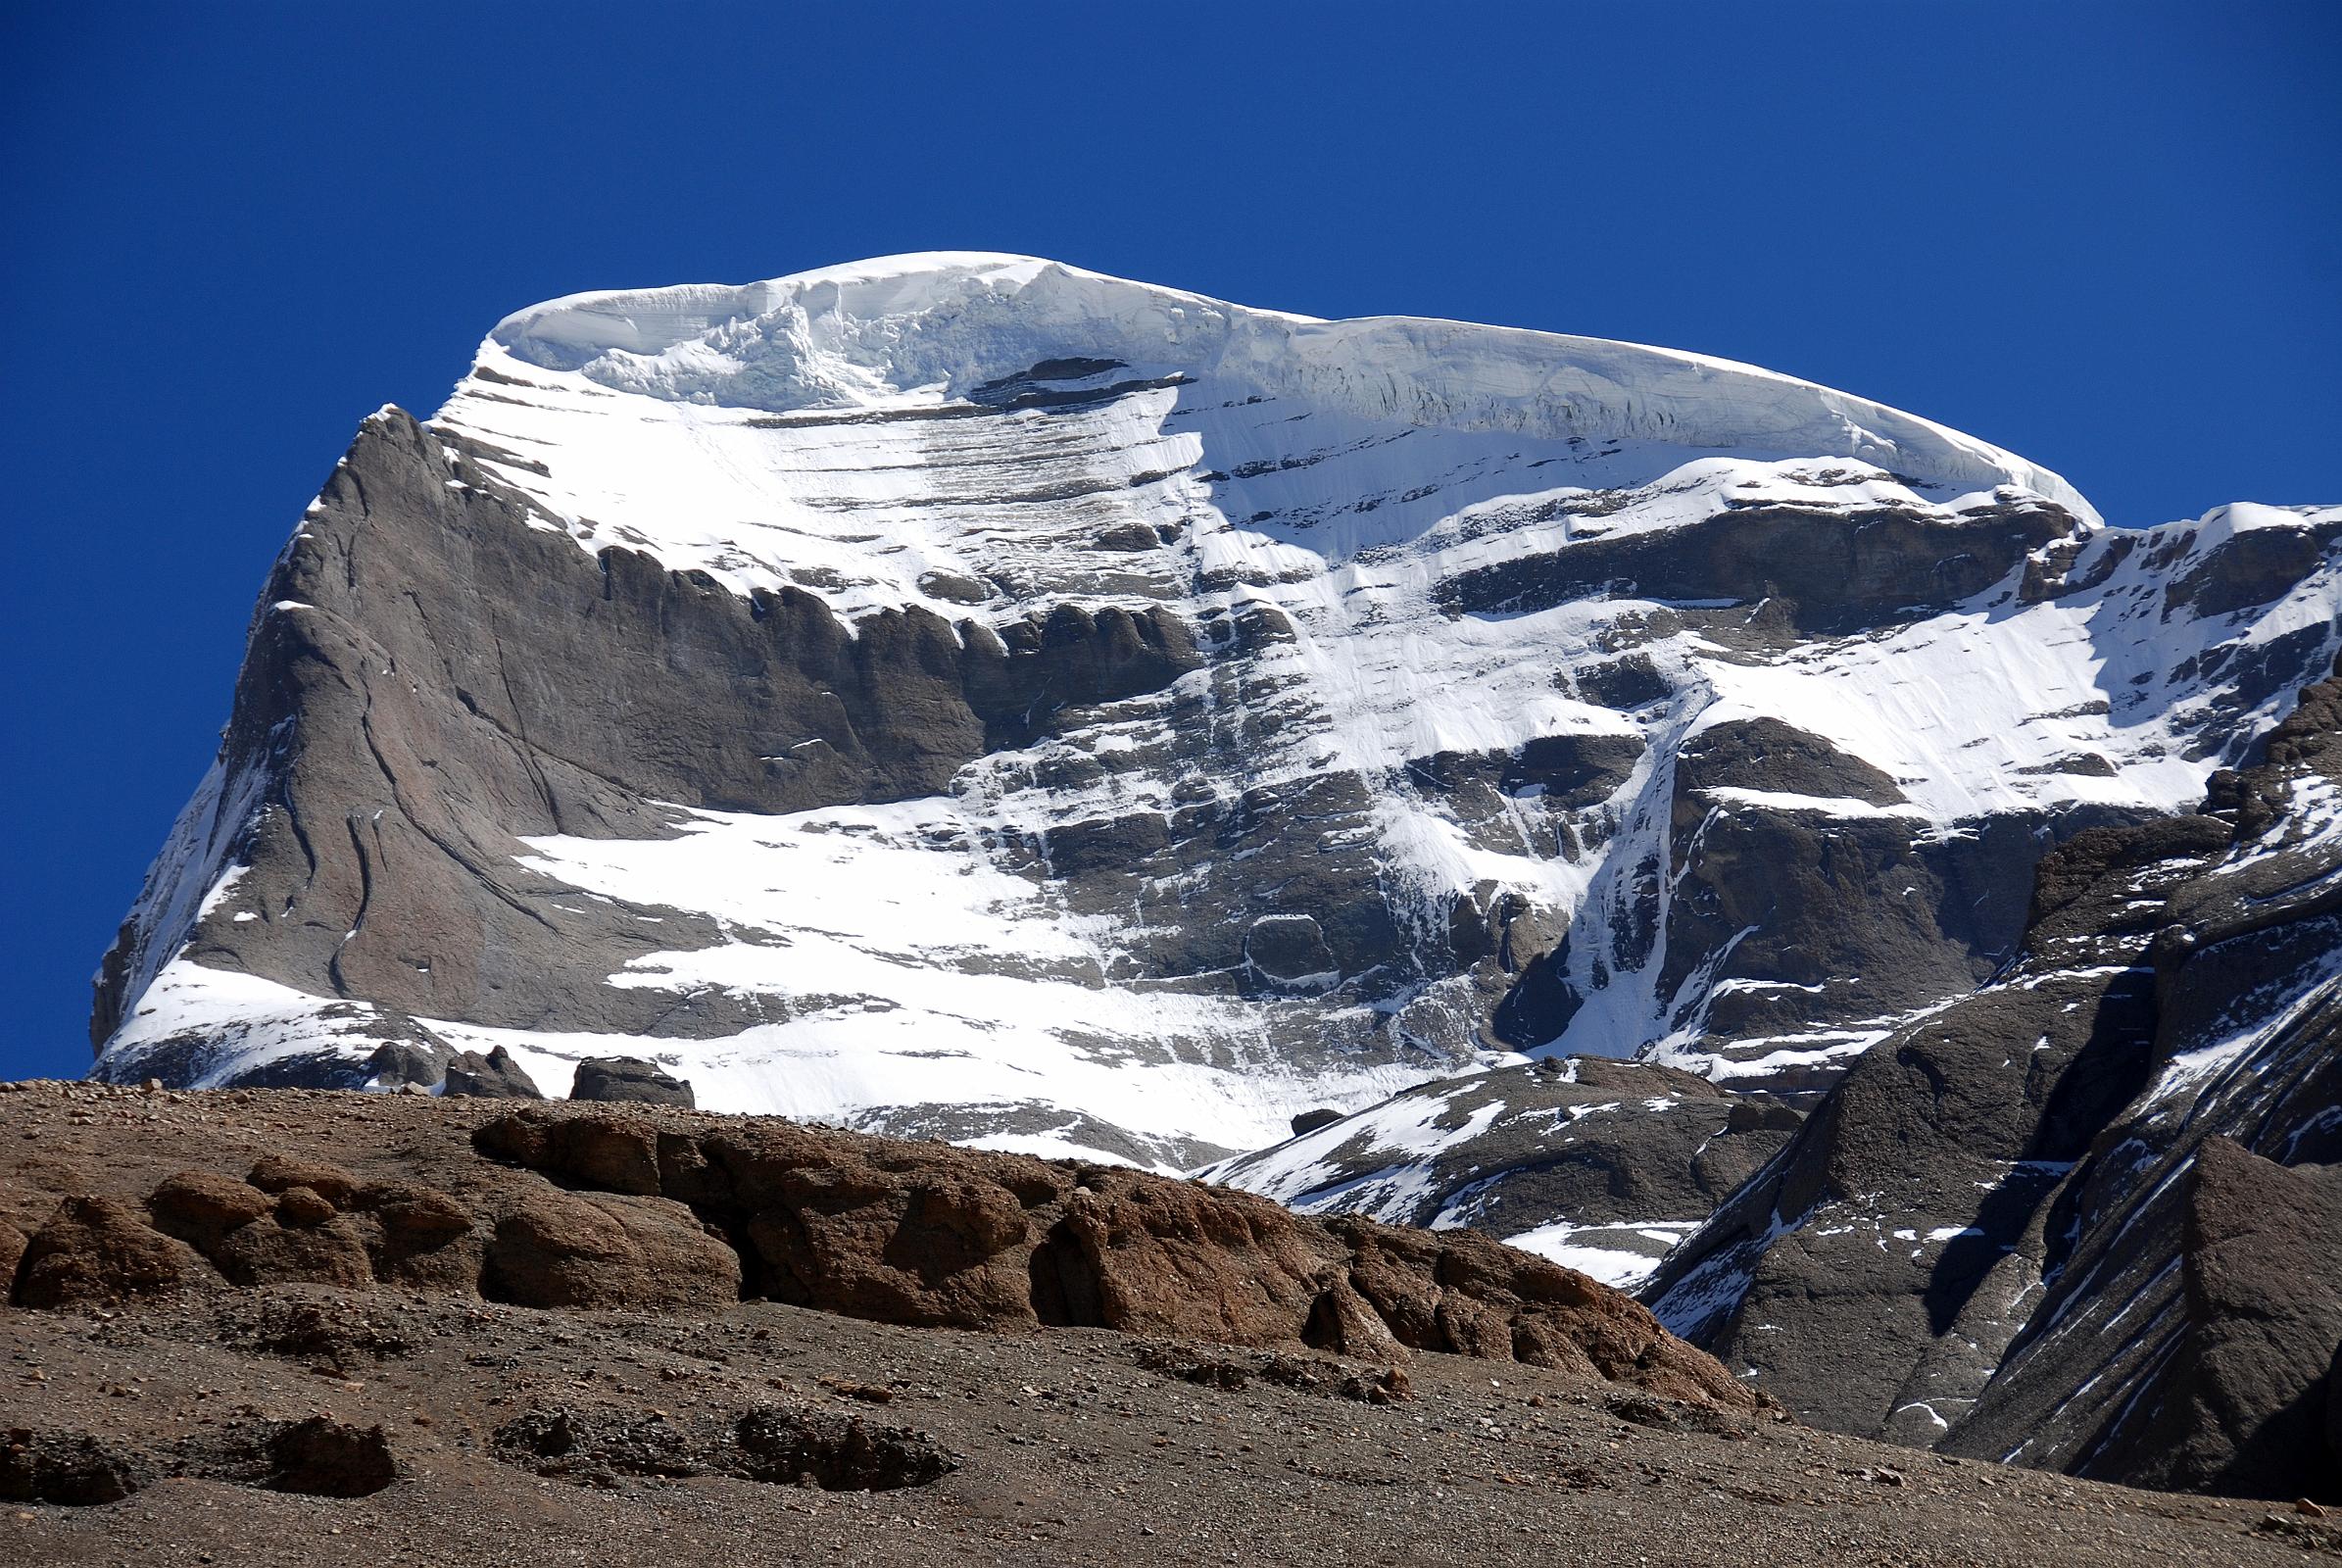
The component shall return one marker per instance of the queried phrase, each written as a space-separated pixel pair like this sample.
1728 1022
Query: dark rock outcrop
2083 1218
628 1079
1623 1156
770 1443
69 1468
1829 573
494 1076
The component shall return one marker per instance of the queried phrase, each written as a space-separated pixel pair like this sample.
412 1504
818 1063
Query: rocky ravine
284 1327
969 697
2089 1217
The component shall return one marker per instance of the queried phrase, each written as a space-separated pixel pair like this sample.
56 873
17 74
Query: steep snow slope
967 695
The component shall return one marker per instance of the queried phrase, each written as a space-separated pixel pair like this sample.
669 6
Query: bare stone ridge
2084 1217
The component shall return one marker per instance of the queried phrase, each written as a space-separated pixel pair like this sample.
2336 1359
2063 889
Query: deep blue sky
2108 236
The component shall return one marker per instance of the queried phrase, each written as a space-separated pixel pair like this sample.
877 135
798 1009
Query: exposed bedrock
1804 904
1603 1164
2083 1218
435 673
585 1207
1826 574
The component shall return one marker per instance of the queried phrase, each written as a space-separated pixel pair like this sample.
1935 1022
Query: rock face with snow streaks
2086 1217
1599 1164
965 696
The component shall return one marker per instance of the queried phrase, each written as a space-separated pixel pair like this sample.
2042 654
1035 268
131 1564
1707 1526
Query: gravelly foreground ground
517 1436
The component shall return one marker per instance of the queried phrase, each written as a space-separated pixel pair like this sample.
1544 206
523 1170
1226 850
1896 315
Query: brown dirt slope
288 1327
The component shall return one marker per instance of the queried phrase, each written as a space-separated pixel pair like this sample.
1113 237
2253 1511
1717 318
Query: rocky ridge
586 1207
1602 1165
2086 1217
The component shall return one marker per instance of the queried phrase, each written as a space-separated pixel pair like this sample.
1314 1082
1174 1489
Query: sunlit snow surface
818 431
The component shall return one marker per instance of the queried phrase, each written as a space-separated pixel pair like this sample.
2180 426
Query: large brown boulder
98 1249
422 1237
1184 1259
557 1248
307 1222
201 1207
297 1245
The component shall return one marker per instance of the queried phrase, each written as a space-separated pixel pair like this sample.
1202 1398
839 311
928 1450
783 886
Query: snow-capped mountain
966 695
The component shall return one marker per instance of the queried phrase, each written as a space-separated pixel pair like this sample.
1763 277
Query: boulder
422 1237
201 1206
628 1078
299 1243
98 1249
279 1173
557 1248
494 1076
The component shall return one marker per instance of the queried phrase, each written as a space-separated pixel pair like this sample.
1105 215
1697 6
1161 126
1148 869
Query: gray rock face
1032 707
494 1076
2084 1218
627 1078
1598 1164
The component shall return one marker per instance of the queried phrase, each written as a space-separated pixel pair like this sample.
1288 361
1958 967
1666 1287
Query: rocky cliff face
969 697
1603 1165
2087 1217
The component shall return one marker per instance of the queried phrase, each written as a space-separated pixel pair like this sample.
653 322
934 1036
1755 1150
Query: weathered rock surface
96 1250
579 1207
494 1076
556 1250
2083 1218
1599 1164
934 1236
628 1079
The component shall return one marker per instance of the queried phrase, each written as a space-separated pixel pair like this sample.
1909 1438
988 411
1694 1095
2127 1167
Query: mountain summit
967 696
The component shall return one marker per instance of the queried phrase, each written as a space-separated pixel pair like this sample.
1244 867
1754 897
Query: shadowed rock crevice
769 1444
316 1458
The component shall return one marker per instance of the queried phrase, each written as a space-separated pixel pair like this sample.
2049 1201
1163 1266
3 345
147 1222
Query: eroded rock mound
931 1235
71 1468
649 1208
557 1248
98 1249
